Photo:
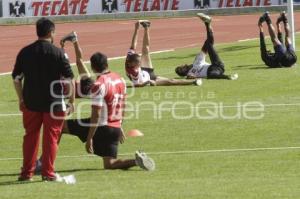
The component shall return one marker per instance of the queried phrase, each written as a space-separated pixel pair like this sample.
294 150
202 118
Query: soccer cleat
144 162
198 82
266 15
205 18
72 37
283 17
38 167
145 23
264 18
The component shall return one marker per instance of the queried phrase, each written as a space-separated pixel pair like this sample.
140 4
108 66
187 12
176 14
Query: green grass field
208 172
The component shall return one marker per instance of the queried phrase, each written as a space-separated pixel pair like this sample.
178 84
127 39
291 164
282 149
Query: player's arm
71 88
19 90
98 101
191 76
85 76
95 116
82 68
135 36
151 82
17 76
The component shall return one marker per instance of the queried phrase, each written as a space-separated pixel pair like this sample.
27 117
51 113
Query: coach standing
42 66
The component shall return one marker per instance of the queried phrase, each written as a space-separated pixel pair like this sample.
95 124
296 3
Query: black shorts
151 73
105 140
215 70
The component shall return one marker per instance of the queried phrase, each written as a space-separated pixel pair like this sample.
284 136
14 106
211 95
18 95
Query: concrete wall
124 16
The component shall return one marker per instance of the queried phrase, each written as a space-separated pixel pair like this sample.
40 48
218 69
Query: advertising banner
22 8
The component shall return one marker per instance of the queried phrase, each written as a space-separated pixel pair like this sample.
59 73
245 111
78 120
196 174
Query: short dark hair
183 70
99 62
44 26
133 58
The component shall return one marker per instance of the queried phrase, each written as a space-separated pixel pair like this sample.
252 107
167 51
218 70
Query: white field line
112 58
256 38
2 74
180 108
180 152
249 39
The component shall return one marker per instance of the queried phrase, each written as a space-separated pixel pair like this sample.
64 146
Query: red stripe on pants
52 127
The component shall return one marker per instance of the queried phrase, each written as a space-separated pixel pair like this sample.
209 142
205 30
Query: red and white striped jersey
109 93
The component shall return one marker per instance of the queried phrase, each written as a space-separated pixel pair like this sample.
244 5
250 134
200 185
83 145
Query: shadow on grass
58 171
236 48
191 56
78 170
61 171
9 183
251 67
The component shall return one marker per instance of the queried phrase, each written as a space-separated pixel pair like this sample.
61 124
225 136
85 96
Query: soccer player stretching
139 69
102 132
284 56
200 68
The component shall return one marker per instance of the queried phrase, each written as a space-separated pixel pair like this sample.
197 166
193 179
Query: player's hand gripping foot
144 162
205 18
234 76
72 37
145 23
263 18
282 17
198 82
137 25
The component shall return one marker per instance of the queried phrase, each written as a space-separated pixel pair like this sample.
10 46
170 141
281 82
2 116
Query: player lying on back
200 68
139 69
284 56
102 131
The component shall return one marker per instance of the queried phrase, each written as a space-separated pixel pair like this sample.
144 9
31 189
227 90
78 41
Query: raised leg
146 61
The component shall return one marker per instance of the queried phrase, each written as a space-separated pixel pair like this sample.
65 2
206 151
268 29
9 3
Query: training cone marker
134 133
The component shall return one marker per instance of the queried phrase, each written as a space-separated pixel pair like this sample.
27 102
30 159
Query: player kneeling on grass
102 131
284 56
139 69
200 68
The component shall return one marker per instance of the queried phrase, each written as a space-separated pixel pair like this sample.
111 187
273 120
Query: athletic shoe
23 179
143 161
145 23
205 18
234 76
72 37
38 167
56 178
283 17
267 17
198 82
264 18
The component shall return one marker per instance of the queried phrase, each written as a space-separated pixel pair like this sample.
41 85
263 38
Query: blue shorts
280 51
290 48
